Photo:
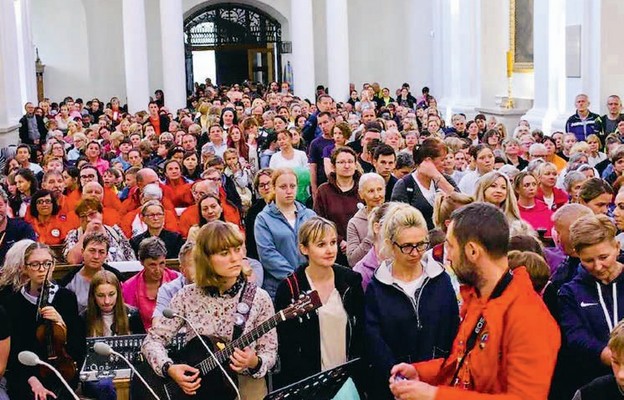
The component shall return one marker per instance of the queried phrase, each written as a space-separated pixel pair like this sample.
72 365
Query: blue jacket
401 328
585 127
583 321
277 246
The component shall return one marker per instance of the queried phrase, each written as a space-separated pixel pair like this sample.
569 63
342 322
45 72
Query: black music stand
322 386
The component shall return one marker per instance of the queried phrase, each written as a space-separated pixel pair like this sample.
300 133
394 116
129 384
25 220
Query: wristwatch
257 368
165 368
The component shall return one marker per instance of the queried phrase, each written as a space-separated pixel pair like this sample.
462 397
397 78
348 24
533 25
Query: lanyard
610 323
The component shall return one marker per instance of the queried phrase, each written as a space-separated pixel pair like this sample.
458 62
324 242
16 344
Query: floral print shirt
119 250
213 315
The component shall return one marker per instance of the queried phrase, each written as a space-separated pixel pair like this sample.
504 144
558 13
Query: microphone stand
58 374
135 372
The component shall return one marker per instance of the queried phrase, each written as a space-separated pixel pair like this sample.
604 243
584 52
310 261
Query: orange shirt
65 214
182 196
110 200
171 222
53 231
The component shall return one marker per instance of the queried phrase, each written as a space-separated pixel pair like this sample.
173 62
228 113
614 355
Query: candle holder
509 104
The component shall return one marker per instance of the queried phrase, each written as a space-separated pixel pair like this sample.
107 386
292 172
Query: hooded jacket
515 353
402 328
276 241
584 304
367 266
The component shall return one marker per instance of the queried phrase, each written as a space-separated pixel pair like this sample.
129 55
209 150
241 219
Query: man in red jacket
507 343
144 177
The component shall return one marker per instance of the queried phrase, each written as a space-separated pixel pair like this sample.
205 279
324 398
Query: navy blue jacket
584 324
401 328
16 230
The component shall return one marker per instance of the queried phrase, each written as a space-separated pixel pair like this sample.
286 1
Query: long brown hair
95 323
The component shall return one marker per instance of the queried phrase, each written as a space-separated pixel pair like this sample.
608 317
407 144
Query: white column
172 38
135 55
10 93
337 49
26 51
302 36
549 64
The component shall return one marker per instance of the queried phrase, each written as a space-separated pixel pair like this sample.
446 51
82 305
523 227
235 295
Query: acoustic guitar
214 385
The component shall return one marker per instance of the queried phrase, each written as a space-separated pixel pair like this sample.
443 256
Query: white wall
391 44
59 31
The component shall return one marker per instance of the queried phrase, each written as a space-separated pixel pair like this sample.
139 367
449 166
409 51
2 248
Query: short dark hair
593 188
95 237
324 114
484 224
24 146
383 150
39 194
404 160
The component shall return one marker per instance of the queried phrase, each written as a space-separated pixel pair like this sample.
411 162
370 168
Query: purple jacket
367 266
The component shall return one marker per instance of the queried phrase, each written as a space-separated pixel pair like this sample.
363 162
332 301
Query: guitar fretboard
245 340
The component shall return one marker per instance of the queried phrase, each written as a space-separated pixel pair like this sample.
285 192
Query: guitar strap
243 309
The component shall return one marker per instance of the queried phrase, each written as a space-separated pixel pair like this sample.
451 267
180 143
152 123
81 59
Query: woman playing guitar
59 314
212 305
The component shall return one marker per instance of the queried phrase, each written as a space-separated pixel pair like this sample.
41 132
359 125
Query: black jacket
64 281
173 241
406 190
300 344
23 130
250 218
22 315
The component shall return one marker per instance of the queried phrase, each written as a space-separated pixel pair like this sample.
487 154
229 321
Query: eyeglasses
265 185
155 215
44 201
409 248
37 266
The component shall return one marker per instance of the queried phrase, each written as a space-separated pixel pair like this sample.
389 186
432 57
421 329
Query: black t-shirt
5 326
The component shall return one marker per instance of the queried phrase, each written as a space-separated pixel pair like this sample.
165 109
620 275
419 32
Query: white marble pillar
172 37
26 51
549 32
11 107
135 55
302 36
337 49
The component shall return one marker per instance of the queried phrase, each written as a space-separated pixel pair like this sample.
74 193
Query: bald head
563 218
93 190
145 176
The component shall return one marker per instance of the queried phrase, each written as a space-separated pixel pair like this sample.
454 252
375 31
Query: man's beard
466 272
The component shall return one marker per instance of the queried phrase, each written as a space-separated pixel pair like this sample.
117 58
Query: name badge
55 233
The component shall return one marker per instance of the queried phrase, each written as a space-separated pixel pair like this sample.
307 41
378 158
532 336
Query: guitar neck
245 340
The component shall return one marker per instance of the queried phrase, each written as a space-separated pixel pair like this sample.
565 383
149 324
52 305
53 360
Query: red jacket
560 198
182 196
539 216
133 201
515 354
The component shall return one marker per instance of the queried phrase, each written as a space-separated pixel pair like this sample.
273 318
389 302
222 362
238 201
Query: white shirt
300 159
428 193
468 184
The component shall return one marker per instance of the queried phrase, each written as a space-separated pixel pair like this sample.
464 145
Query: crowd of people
451 259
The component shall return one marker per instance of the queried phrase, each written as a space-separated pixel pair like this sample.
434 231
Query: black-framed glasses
36 266
408 248
44 201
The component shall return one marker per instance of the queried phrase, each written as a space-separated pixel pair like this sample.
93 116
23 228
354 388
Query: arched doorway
246 42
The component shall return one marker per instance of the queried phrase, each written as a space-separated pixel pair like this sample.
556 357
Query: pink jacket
134 294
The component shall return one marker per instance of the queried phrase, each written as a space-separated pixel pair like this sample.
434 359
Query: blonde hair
542 167
399 217
314 229
13 275
579 147
275 176
213 238
536 266
616 339
510 205
445 204
591 230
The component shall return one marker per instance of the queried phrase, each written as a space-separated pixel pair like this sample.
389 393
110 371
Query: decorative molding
521 20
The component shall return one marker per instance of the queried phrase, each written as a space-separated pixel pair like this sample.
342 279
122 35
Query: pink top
101 165
134 294
538 216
